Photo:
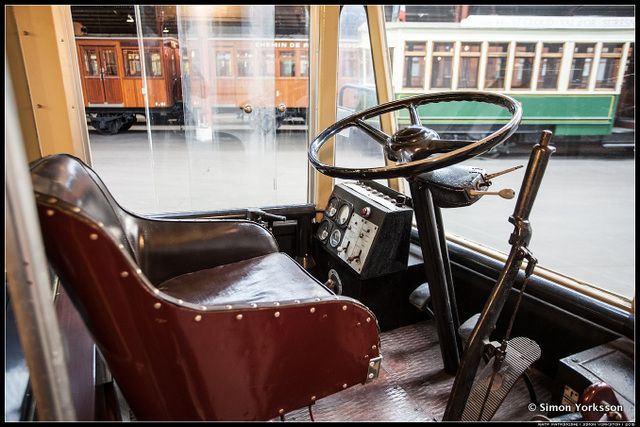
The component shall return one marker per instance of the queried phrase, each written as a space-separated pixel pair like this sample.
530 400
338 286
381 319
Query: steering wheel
414 146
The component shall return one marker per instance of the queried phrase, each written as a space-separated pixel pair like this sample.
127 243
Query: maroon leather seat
198 319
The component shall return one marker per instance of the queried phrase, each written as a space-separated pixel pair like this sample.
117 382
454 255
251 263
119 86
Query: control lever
506 193
490 176
255 214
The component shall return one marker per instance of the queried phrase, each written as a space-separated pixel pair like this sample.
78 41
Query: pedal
521 353
421 297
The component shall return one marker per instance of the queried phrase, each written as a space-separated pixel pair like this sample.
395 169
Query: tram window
523 65
91 67
469 65
550 60
609 65
287 63
496 65
304 64
268 64
581 65
132 67
244 63
442 65
154 63
414 64
223 63
109 62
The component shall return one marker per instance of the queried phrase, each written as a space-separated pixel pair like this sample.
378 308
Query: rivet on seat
276 314
371 376
317 299
312 310
372 364
156 291
313 398
203 307
368 319
100 225
50 212
254 305
373 347
344 385
76 209
297 301
344 308
120 246
197 318
276 303
358 324
52 200
157 306
180 301
239 317
93 236
281 411
124 274
229 307
138 271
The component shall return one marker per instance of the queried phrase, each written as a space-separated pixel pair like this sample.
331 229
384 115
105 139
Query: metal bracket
374 368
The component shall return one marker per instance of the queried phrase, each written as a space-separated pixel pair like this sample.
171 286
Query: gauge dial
335 238
343 214
323 230
332 207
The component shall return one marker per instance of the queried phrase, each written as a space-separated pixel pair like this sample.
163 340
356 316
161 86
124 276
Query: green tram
567 72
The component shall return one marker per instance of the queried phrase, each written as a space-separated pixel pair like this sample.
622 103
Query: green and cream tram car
375 263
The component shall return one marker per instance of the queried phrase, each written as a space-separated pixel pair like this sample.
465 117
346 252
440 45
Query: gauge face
332 207
323 230
335 238
343 214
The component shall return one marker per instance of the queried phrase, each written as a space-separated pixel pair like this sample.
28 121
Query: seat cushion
268 278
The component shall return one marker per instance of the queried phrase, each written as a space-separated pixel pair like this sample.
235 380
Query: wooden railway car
111 73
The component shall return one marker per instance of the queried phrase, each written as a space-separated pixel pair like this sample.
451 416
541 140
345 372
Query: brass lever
506 193
493 175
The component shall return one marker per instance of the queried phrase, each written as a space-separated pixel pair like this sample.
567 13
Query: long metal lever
506 193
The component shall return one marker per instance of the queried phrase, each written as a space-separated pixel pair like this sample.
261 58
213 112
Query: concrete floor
583 219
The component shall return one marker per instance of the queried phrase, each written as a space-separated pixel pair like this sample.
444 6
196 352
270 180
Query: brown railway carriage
241 69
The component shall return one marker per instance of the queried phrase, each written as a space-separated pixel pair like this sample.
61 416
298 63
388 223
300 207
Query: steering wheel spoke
413 114
379 136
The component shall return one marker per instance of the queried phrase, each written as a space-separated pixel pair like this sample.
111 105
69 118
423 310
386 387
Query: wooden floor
412 385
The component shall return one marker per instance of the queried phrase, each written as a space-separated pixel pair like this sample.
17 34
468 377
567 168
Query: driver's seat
198 319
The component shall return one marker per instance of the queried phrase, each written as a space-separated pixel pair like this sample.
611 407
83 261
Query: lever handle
506 193
490 176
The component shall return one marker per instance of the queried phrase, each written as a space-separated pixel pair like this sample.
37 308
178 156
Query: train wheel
106 124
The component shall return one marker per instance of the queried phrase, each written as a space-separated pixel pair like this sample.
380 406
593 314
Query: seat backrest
66 178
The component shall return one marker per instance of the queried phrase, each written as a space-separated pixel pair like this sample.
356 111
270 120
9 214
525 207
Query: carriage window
442 64
469 65
414 64
304 64
244 63
496 65
91 67
581 65
523 65
268 64
154 63
609 65
223 63
287 63
109 62
132 66
550 60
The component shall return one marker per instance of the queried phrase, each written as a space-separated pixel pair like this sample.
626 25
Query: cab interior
354 306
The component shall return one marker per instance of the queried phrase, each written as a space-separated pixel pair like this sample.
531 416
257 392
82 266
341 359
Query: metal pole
435 272
28 279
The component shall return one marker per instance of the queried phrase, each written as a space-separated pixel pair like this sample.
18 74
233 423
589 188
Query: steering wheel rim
415 167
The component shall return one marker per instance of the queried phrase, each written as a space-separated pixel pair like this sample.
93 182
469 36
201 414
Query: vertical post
432 252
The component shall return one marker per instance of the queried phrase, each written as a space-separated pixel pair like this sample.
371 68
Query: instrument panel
356 214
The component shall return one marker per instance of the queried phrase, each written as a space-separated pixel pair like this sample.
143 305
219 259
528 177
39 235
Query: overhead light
129 18
165 30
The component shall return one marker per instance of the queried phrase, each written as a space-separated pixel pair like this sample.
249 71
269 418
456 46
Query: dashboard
367 226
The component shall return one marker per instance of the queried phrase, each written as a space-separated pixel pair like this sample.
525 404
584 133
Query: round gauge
332 207
343 214
335 238
323 230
